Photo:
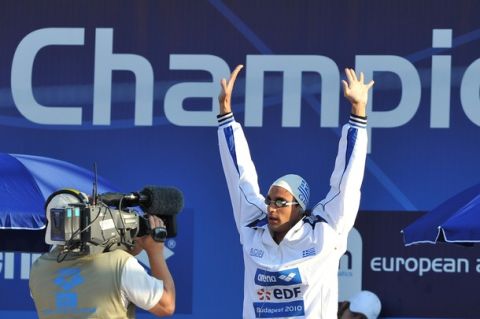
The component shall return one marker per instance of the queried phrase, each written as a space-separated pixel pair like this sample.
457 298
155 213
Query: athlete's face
281 219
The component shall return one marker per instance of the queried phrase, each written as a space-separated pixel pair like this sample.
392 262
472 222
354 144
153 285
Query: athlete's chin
275 225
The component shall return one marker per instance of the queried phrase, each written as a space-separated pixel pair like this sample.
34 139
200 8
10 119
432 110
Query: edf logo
286 293
279 293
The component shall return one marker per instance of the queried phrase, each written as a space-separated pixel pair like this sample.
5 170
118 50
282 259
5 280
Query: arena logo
290 66
285 277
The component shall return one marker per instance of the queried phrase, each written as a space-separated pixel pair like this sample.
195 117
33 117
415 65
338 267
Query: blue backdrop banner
133 86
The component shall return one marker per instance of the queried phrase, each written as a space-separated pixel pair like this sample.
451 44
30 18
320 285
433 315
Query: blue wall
423 148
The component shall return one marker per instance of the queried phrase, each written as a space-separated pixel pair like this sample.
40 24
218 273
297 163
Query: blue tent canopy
456 220
25 182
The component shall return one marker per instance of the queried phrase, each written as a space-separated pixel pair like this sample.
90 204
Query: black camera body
111 221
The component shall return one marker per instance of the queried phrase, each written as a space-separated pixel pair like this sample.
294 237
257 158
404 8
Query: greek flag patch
309 252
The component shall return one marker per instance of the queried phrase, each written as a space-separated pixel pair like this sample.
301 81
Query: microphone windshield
162 201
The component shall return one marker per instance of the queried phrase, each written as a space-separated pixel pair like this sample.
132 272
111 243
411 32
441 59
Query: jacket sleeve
340 206
247 202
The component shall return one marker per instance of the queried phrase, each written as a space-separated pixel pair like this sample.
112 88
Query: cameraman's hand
159 269
146 242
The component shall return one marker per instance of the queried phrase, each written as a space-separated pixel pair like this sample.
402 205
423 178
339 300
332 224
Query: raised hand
356 91
225 96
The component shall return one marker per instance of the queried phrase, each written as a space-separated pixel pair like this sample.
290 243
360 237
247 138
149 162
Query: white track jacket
298 277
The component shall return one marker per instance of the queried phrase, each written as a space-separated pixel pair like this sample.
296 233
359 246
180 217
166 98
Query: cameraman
103 285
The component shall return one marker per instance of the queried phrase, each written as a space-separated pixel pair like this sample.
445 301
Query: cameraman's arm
159 268
166 305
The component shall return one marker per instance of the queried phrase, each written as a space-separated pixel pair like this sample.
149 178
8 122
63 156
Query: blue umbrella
25 182
456 220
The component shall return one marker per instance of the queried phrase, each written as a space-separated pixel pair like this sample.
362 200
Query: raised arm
341 204
247 202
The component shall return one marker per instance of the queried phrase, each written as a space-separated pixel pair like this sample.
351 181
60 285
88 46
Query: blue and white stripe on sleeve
358 121
224 119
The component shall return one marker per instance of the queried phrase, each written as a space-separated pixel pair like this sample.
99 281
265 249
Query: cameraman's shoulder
120 253
117 256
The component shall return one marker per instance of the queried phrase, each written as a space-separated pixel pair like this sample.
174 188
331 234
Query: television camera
108 221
